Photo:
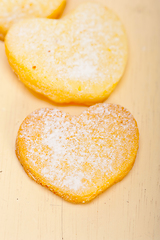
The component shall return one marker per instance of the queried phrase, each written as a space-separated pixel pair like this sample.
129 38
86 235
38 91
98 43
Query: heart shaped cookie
79 58
78 157
15 10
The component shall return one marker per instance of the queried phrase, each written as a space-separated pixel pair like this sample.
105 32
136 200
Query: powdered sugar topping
87 45
72 152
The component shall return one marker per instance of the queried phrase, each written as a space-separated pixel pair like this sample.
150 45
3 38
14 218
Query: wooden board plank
130 209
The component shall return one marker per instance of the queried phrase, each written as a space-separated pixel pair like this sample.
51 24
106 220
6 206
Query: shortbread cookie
79 58
78 157
15 10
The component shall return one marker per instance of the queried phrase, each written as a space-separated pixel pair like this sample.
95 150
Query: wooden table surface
129 210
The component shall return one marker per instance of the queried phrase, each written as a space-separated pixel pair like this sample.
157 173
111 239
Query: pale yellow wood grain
130 210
